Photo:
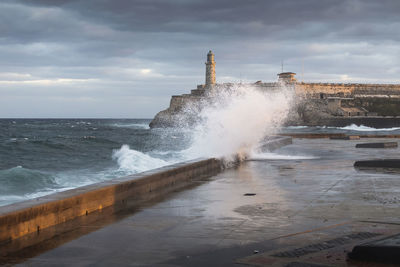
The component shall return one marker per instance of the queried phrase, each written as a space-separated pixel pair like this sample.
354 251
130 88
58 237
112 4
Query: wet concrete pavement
308 194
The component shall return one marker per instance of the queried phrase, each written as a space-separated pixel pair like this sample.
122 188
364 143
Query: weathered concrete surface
317 196
383 250
32 216
314 135
347 137
378 145
380 136
378 163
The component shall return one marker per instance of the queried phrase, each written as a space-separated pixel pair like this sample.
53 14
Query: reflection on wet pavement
216 223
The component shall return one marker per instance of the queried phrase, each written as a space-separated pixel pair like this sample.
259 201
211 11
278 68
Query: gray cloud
93 56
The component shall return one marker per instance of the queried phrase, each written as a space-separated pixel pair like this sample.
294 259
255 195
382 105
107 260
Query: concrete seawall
27 224
31 217
301 212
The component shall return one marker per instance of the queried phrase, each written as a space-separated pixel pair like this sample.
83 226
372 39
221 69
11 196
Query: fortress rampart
314 100
347 90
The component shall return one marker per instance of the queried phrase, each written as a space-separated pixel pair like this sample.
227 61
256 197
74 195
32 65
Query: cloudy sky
125 58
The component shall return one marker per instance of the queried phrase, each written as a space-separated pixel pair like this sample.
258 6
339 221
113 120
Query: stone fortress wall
350 89
315 99
314 90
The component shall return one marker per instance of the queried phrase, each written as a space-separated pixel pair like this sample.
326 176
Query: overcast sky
125 58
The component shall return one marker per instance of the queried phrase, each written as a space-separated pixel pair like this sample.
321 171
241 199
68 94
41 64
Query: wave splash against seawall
238 119
57 155
43 156
133 161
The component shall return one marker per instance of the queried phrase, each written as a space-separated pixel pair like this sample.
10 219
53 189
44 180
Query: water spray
236 118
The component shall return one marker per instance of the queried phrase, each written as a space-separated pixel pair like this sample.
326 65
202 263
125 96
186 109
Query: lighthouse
210 69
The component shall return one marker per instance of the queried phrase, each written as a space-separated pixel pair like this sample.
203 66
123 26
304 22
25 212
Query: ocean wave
8 199
296 127
25 141
49 144
95 139
19 180
133 161
83 123
17 140
352 127
19 183
362 128
132 125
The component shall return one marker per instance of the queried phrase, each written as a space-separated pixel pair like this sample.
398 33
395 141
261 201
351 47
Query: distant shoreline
370 121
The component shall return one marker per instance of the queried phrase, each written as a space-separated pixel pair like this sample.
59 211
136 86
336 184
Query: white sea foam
8 199
237 120
132 125
297 127
133 161
352 127
47 191
363 128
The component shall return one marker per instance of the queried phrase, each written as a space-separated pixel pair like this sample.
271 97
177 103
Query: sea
43 156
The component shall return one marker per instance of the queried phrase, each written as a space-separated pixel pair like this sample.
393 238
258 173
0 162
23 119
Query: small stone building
287 77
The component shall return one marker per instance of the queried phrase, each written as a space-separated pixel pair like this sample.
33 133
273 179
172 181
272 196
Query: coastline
250 214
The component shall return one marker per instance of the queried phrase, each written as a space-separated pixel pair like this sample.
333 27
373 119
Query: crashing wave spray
133 161
237 118
229 122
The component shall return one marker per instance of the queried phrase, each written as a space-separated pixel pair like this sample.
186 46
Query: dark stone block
378 145
378 163
385 250
348 137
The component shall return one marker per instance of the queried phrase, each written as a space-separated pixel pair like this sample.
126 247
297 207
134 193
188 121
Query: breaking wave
352 127
20 180
132 125
297 127
133 161
362 128
19 183
229 125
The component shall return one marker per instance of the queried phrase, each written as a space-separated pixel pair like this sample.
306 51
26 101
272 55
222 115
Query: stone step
378 145
348 137
385 250
378 163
